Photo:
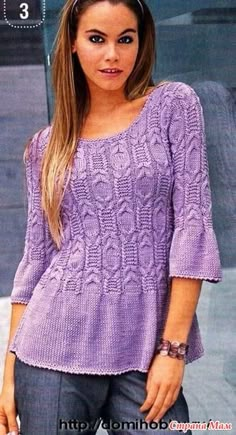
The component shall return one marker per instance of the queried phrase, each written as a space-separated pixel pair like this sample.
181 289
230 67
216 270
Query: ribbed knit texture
137 211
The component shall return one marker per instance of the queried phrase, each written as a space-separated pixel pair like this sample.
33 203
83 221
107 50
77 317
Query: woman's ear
73 48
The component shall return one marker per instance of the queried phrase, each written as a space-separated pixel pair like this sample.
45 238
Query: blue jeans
51 402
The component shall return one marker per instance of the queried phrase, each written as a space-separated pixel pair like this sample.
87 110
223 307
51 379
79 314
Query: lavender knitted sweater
136 212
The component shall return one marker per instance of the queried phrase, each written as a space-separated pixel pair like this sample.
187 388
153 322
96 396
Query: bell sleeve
194 250
37 241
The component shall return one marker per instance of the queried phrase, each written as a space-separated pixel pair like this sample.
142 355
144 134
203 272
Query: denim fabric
47 399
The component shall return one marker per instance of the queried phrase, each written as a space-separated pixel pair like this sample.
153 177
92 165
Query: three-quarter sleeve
194 250
34 259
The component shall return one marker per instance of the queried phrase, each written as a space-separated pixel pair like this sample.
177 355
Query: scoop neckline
122 132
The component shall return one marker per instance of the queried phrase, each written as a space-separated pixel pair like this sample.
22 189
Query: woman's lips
111 72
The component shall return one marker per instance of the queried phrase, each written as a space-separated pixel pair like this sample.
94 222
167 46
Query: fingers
162 401
150 399
163 385
3 423
12 424
159 399
11 417
3 429
8 422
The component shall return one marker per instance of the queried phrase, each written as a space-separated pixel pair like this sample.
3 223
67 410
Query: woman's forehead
107 15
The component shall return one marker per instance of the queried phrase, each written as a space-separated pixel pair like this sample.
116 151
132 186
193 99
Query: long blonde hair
72 101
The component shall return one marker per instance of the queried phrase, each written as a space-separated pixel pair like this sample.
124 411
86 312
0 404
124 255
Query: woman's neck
110 116
104 102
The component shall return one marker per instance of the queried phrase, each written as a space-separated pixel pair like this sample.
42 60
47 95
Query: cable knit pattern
136 212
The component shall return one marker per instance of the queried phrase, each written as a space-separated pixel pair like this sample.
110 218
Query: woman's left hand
164 381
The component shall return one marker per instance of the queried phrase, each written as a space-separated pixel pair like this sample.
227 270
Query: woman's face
107 45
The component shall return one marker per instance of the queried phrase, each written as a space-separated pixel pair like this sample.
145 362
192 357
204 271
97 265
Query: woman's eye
126 39
96 38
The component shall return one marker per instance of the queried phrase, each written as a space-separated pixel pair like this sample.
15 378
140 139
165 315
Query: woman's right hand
8 414
8 422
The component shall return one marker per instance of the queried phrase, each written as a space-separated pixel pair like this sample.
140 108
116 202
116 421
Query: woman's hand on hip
164 381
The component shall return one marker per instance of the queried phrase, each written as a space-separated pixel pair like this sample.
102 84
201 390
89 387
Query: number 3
25 11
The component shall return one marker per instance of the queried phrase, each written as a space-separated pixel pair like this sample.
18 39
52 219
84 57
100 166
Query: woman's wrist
9 367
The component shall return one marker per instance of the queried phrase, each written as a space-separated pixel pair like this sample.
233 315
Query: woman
104 298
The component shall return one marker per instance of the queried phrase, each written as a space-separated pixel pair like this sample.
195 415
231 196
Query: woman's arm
38 242
193 254
184 298
8 412
17 312
31 267
166 374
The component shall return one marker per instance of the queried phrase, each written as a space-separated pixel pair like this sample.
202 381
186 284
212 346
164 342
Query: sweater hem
19 301
204 277
79 370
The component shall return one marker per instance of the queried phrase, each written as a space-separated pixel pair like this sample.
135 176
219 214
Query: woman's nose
112 52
